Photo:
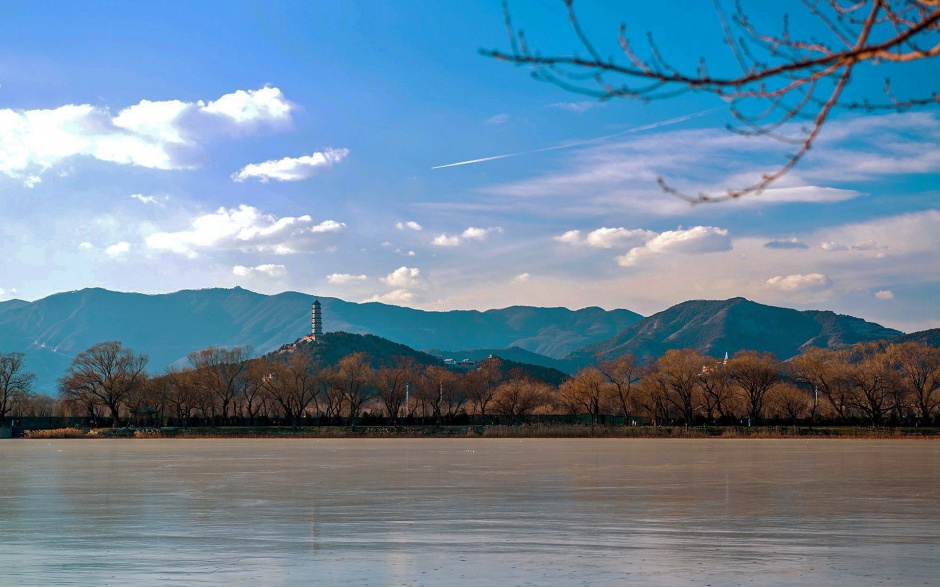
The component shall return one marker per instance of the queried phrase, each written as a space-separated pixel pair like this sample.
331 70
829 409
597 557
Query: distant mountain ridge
51 331
169 326
715 327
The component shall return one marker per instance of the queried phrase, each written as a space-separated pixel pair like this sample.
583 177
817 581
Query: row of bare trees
228 386
871 383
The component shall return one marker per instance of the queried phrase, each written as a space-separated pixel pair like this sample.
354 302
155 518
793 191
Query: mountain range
52 330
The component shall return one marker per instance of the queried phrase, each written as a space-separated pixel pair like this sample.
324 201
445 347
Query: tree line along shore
858 391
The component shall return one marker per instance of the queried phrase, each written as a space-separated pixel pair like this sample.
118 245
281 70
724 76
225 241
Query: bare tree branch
783 70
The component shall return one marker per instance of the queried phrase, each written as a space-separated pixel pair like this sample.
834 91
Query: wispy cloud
154 200
799 282
291 168
612 174
345 278
267 270
580 143
582 106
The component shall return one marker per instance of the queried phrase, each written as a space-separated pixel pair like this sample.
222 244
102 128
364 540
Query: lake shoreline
494 431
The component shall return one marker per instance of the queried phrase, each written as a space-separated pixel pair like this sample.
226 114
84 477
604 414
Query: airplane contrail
584 142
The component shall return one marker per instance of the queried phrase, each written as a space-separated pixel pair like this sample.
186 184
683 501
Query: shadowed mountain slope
333 346
716 327
930 337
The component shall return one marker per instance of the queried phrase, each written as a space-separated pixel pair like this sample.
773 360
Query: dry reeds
56 433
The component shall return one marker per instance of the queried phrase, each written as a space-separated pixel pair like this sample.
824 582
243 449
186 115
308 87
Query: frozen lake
469 512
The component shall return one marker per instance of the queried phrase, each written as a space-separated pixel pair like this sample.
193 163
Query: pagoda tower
317 320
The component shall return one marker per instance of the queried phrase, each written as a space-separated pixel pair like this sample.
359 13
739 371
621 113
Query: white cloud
245 228
266 104
326 226
403 278
291 168
608 238
521 278
498 119
410 225
471 233
444 240
398 296
267 270
156 135
479 234
885 294
694 241
344 278
85 246
6 293
118 249
571 237
812 282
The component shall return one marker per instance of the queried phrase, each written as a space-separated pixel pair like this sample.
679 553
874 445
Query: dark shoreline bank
501 431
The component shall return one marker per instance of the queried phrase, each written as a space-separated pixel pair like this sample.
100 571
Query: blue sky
293 146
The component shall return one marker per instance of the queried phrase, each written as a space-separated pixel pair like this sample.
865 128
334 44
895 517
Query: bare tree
251 394
623 373
677 372
39 405
755 374
781 77
519 397
219 371
587 392
482 384
873 379
433 387
919 368
824 371
717 393
182 395
355 381
391 383
15 381
293 385
107 373
791 402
